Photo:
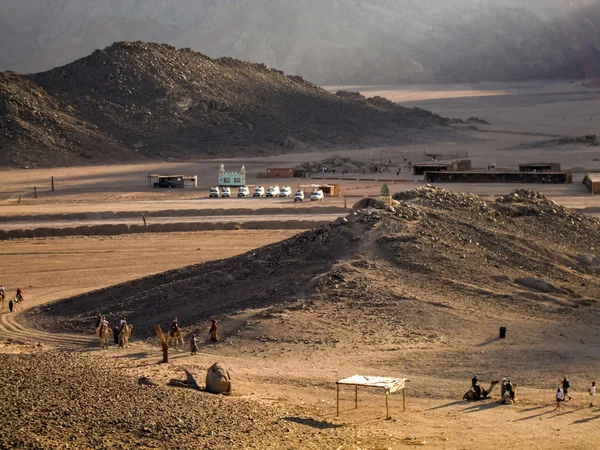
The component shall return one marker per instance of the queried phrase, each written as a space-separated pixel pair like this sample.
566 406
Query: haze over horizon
325 41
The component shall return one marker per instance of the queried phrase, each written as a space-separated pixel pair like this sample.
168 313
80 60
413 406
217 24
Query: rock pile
61 404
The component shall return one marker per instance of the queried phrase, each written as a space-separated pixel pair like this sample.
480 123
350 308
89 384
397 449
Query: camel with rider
103 332
124 335
176 336
470 395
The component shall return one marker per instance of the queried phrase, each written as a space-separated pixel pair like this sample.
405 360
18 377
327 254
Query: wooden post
387 413
35 192
163 343
345 203
19 198
338 400
404 400
52 180
356 397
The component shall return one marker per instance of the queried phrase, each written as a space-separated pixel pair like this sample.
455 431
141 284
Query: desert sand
288 366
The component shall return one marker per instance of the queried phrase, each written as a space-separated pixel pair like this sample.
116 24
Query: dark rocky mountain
133 101
329 42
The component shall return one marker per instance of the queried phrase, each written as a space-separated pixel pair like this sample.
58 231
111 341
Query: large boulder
218 380
538 284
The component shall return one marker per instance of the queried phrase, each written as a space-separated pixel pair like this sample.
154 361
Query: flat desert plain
284 360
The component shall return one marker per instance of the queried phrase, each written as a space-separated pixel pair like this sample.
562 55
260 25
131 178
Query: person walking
10 305
559 397
592 392
565 387
194 345
116 334
213 332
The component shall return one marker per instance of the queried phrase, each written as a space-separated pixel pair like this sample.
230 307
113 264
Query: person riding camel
475 386
98 320
174 327
19 295
103 324
1 292
122 323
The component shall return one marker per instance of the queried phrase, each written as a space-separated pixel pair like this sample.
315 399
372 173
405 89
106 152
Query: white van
259 191
226 192
214 192
243 191
285 192
299 196
273 191
317 196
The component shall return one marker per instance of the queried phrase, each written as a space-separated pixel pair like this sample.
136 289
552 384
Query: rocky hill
136 100
405 273
328 42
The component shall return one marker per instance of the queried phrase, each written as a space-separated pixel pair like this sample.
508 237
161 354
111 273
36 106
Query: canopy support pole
356 397
404 400
338 400
387 413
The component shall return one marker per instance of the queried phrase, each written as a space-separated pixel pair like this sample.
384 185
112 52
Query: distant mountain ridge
141 101
326 41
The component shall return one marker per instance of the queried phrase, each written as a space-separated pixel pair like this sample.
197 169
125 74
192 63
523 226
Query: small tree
385 191
384 195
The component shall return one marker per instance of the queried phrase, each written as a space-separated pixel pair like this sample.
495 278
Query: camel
177 337
470 395
124 336
507 399
103 333
2 299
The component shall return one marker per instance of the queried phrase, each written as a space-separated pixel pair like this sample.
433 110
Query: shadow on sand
447 405
320 424
481 407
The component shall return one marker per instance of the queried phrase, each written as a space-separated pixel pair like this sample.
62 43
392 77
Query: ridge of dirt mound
434 247
155 101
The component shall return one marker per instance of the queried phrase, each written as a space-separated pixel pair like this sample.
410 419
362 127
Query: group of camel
505 397
105 332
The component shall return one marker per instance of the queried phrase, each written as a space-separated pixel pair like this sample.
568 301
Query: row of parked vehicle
272 191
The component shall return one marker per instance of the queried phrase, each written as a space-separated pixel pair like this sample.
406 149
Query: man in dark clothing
566 386
10 305
116 335
475 386
174 327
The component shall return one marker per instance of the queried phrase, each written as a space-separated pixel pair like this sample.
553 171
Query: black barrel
502 332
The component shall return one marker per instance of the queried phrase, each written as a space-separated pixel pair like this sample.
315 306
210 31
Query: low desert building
592 181
499 177
539 167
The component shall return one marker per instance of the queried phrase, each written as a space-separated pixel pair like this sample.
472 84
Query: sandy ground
52 268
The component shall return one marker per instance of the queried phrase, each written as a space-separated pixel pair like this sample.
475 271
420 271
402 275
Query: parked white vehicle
316 196
285 192
226 192
244 191
299 196
273 191
259 191
214 192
